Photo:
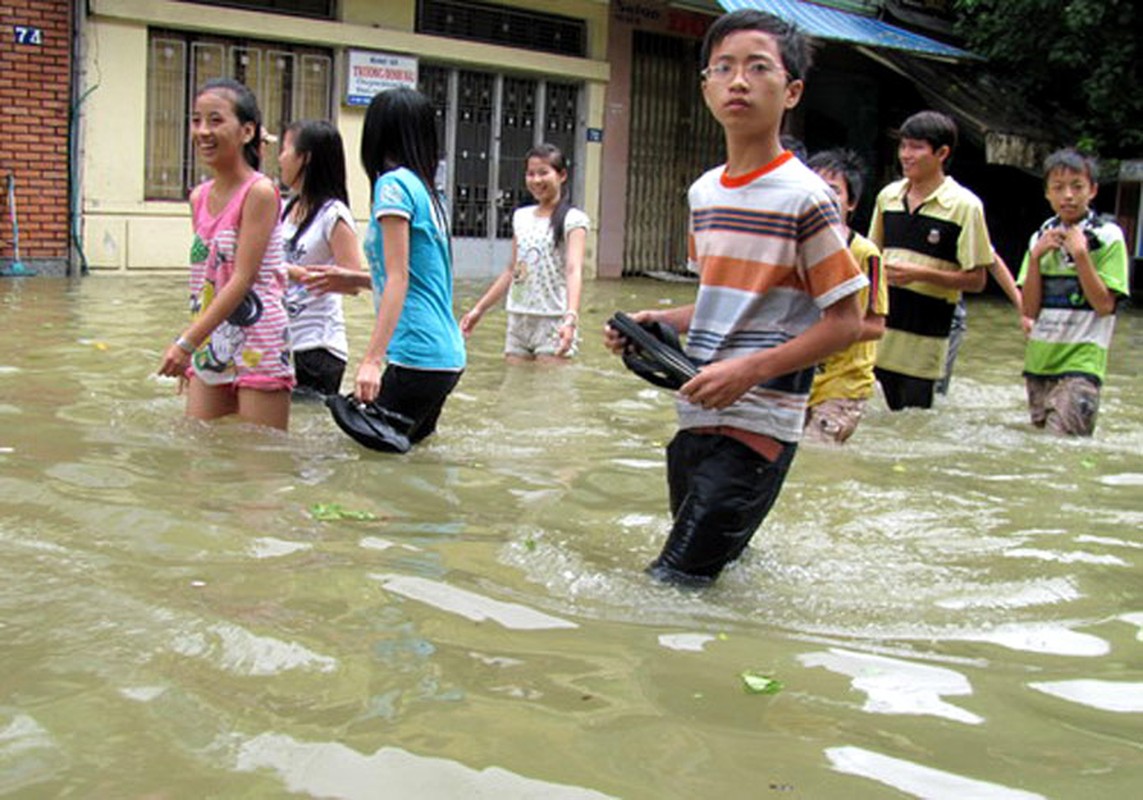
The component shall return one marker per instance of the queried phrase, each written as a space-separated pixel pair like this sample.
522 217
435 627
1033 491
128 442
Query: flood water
952 604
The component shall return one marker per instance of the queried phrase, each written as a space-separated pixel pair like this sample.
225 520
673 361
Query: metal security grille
318 9
515 27
433 83
487 123
471 153
290 83
674 139
561 120
517 136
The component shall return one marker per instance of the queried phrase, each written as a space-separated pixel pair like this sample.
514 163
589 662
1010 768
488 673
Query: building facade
36 98
103 162
504 76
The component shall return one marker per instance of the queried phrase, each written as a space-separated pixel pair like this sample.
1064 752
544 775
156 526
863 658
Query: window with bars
515 27
317 9
486 123
290 83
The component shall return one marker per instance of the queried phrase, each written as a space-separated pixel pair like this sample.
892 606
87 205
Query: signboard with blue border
368 73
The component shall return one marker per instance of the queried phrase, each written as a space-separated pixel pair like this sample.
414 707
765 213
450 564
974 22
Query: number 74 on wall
26 34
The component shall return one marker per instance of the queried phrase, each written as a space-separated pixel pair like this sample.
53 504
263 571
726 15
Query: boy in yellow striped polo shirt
935 243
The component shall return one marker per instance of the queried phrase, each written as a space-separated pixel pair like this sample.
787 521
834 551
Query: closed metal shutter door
674 139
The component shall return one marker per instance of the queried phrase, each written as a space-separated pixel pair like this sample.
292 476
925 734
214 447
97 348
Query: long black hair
554 157
323 169
400 131
246 109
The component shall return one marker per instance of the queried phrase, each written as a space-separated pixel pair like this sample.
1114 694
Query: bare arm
678 318
395 241
1051 239
872 328
720 384
1033 287
492 295
347 274
574 247
1094 289
901 273
1003 277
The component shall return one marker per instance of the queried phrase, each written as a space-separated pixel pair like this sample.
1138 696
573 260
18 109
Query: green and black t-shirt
1069 338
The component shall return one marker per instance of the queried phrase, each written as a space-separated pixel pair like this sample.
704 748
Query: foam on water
895 686
918 780
1118 696
331 769
470 604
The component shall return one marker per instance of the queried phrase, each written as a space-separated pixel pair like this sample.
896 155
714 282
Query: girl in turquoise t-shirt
415 333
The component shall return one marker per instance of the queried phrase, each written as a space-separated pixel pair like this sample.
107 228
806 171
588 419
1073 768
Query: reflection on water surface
952 603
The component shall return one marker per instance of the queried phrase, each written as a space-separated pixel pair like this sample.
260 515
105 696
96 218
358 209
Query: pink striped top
251 347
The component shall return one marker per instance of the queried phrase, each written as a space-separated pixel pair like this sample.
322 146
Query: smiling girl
318 228
234 356
544 277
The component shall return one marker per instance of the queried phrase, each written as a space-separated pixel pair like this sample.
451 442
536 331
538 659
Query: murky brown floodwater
953 602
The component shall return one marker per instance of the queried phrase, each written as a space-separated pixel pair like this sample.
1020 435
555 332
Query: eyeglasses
725 72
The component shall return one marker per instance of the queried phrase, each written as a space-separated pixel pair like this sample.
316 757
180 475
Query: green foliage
1078 59
756 683
331 512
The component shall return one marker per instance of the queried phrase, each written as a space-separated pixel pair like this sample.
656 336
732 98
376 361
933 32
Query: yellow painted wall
123 231
401 16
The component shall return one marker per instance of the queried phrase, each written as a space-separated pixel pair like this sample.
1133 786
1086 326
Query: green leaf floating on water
757 683
331 512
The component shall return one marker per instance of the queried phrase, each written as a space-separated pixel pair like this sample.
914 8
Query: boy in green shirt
1073 274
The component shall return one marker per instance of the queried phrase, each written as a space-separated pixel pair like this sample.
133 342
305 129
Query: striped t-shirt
252 344
1069 337
771 253
946 231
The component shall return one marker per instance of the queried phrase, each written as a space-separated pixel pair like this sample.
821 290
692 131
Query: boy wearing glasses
777 295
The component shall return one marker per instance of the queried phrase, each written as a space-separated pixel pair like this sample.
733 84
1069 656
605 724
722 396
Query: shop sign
370 72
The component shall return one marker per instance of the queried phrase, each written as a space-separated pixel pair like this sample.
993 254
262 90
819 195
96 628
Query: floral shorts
1067 405
833 421
531 335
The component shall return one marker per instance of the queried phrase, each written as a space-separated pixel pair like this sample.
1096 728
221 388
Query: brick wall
34 99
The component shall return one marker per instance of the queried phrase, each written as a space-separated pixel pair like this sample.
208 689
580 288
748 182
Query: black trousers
905 391
720 492
419 394
319 370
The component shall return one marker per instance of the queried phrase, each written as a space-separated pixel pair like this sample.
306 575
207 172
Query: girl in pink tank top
235 353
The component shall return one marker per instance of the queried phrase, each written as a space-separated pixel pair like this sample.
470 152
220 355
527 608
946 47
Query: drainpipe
74 148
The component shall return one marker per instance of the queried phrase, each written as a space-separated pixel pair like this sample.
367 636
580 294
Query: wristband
183 343
570 318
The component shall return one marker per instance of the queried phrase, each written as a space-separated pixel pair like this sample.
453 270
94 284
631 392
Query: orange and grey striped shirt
770 253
